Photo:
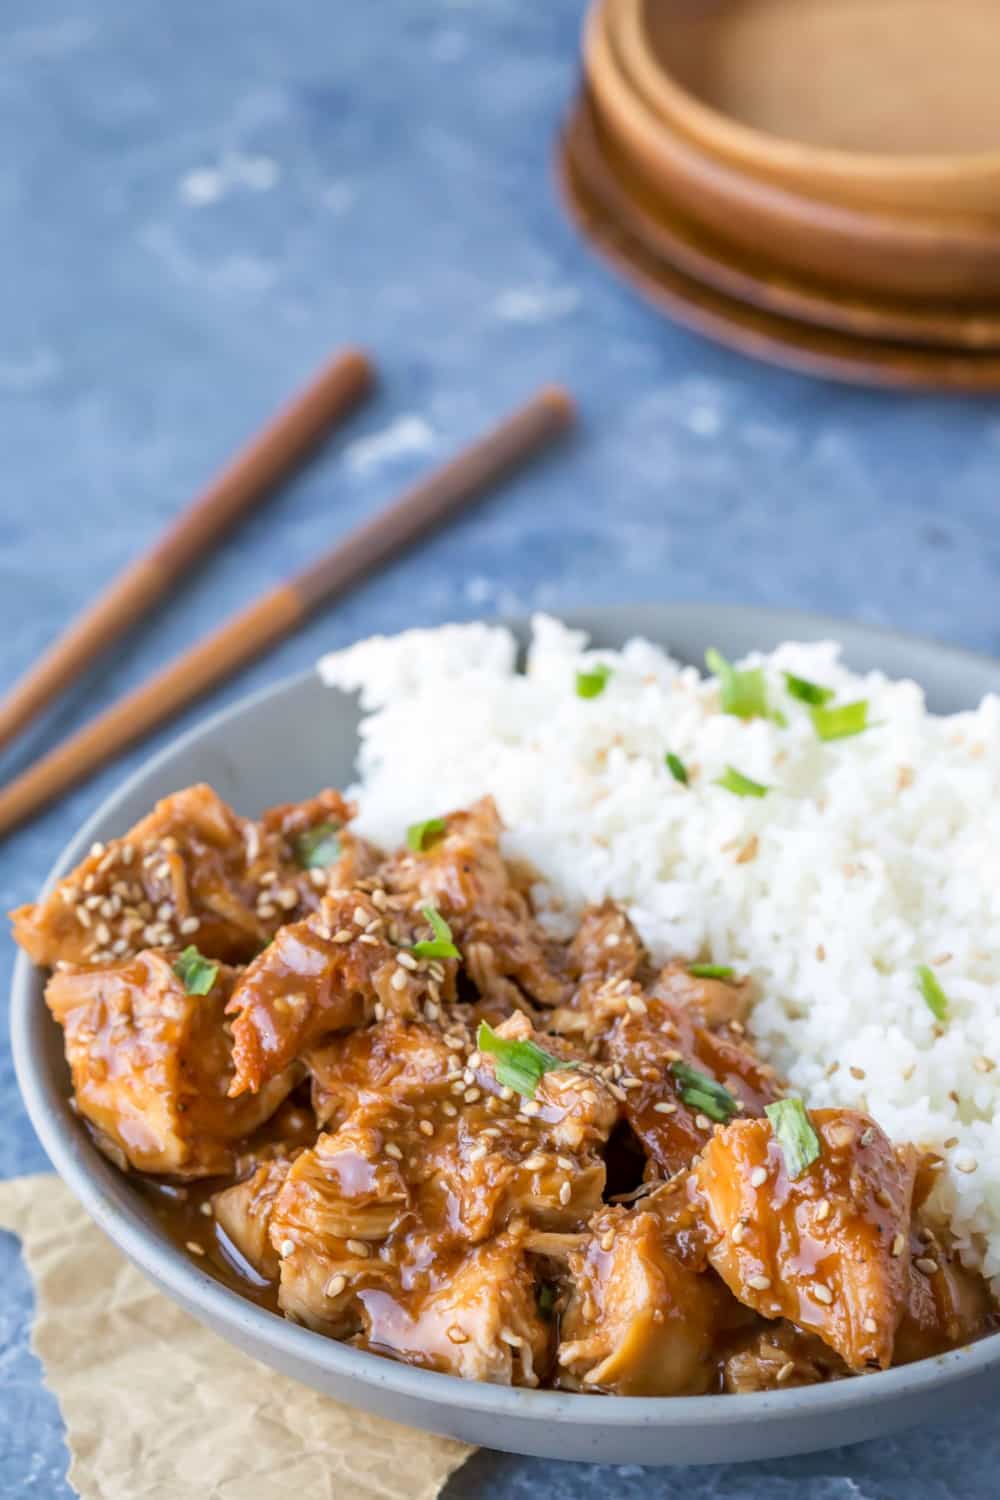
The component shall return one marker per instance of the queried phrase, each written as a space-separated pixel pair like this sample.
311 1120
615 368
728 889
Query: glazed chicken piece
190 872
243 1212
828 1249
333 971
639 1321
152 1065
463 875
644 1039
606 946
780 1355
714 1003
946 1304
480 1321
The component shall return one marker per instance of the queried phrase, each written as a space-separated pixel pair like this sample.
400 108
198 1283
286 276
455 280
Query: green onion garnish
934 996
441 945
710 971
793 1130
676 767
196 974
592 684
519 1065
806 691
420 835
741 786
317 848
743 690
840 722
704 1094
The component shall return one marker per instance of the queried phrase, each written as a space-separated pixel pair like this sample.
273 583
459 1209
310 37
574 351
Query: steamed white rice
868 857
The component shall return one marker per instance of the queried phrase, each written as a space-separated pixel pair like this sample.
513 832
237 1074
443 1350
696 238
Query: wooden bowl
756 331
754 280
885 104
884 254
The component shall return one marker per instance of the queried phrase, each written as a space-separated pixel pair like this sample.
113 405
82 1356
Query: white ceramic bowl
249 756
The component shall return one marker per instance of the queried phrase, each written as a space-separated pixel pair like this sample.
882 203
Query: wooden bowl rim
926 168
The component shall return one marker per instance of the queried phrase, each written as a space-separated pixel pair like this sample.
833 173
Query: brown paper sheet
158 1408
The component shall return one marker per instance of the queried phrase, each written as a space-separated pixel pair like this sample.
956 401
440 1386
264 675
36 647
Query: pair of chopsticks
251 475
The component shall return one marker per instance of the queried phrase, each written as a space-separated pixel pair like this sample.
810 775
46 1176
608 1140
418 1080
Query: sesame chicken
152 1064
372 1093
826 1249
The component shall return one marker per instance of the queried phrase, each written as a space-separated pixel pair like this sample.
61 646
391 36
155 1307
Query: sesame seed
631 1083
703 1123
870 1325
897 1245
407 960
758 1177
425 1127
447 1108
368 940
867 1136
194 1247
391 1149
607 1239
787 1369
759 1283
506 1094
477 1153
528 1107
823 1209
343 936
822 1293
96 849
534 1162
665 1109
335 1285
378 1011
189 925
360 917
102 932
287 898
636 1005
127 854
82 916
286 1248
398 980
926 1264
966 1162
738 1232
471 1095
474 1059
565 1194
206 1209
358 1247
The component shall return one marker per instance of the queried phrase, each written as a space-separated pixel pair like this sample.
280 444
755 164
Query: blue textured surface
199 202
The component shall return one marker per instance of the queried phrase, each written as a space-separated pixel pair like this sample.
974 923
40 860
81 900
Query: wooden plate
889 104
698 254
753 330
887 255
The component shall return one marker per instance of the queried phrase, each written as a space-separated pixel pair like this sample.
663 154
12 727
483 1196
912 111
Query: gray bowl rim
81 1166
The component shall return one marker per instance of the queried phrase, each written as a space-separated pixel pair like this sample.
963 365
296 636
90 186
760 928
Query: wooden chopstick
245 635
244 483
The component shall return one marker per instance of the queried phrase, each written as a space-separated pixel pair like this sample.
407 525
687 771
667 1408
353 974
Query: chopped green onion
592 684
741 786
676 767
806 691
196 974
793 1130
934 996
710 971
519 1065
704 1094
743 690
441 945
419 835
546 1301
841 722
317 848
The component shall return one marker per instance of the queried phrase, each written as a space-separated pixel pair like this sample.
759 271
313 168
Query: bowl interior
883 79
248 754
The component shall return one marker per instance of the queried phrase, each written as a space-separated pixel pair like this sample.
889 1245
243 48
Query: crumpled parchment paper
158 1408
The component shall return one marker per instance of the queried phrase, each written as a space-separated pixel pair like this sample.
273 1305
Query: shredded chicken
428 1128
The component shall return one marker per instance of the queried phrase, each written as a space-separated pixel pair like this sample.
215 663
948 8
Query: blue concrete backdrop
198 202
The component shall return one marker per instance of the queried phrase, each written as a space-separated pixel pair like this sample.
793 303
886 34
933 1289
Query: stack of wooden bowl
813 181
